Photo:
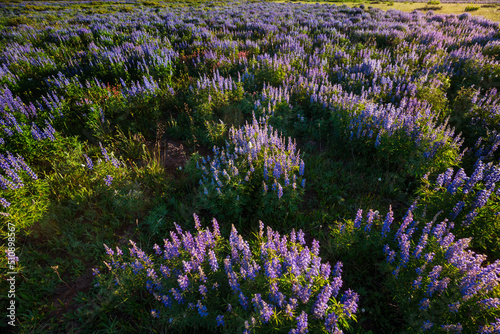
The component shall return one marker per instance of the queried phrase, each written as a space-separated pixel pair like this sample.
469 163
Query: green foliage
471 8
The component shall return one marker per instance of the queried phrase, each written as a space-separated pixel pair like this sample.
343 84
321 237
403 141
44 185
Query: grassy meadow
249 167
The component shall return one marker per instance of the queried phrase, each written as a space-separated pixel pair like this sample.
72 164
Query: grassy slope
487 11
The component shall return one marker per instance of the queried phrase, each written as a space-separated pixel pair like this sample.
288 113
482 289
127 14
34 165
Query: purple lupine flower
492 328
490 303
387 222
452 328
453 307
280 191
331 323
88 161
358 219
247 327
277 170
456 210
213 260
427 325
321 303
164 271
166 301
183 282
273 268
476 176
276 296
301 324
177 295
337 269
404 245
104 152
157 249
424 304
4 202
265 310
325 270
390 254
202 289
315 247
369 220
290 306
469 218
197 224
350 302
300 237
108 179
301 168
202 309
109 251
417 283
151 273
304 293
243 300
482 198
459 179
215 226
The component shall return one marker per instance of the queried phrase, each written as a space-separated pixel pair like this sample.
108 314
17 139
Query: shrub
471 8
470 202
438 283
257 172
274 283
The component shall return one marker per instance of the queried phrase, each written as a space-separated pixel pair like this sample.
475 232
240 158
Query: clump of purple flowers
433 270
15 173
470 193
256 165
470 201
234 283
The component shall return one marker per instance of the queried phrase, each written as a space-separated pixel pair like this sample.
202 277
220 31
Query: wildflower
302 323
183 282
331 322
108 179
350 301
387 222
4 202
202 309
454 307
301 168
321 304
265 310
88 161
424 304
359 217
427 325
203 290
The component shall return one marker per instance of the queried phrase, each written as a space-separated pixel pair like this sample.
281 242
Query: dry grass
488 11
